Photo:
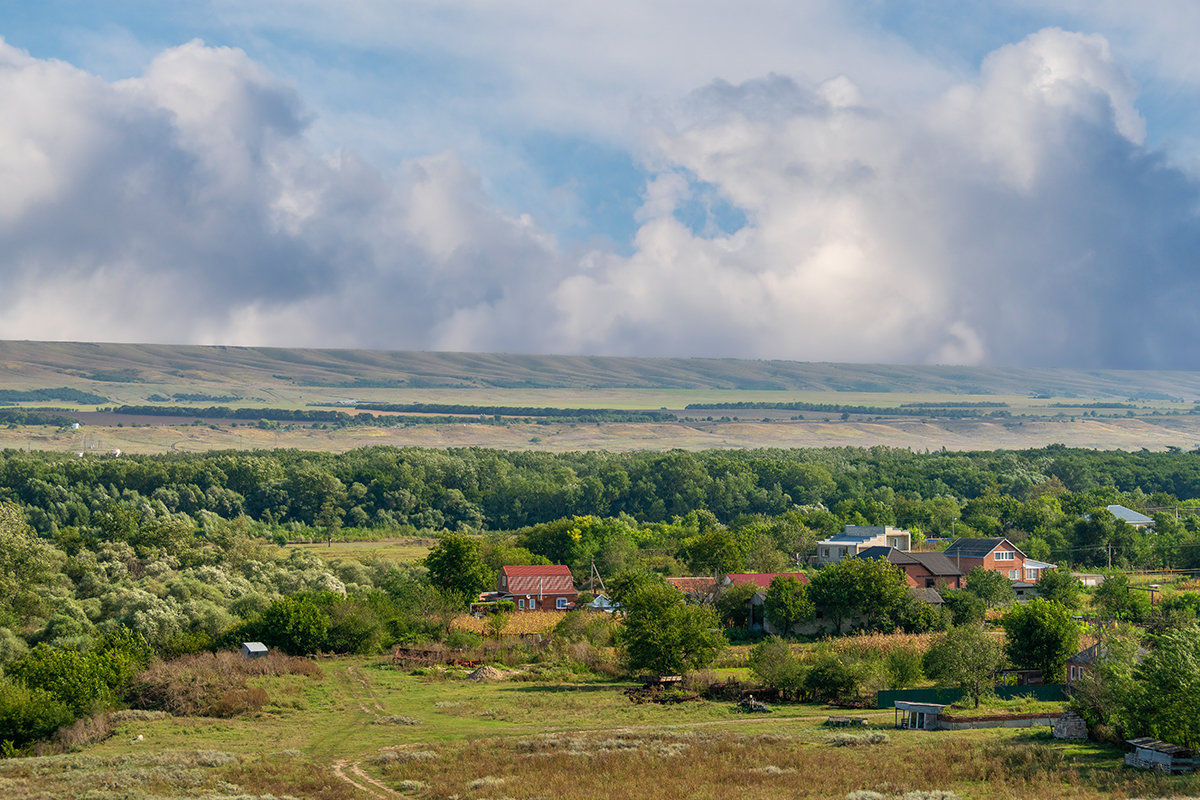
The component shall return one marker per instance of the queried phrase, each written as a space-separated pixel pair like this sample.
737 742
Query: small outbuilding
918 716
1150 753
254 650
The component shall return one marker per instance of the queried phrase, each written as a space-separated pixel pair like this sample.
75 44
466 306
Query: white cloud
1012 217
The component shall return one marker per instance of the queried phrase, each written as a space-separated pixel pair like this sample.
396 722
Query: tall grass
213 685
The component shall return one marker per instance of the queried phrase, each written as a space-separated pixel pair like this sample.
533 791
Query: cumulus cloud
1015 217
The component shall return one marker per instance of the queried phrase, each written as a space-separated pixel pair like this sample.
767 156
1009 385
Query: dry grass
212 685
646 765
522 622
868 644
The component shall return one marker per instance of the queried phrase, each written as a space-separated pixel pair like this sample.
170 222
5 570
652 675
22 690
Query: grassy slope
524 740
272 369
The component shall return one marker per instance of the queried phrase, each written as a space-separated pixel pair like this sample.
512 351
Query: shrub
774 665
833 678
902 667
27 715
211 685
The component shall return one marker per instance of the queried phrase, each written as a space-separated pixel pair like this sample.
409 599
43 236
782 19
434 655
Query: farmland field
361 729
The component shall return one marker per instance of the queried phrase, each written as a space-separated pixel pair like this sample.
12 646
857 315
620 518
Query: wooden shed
1150 753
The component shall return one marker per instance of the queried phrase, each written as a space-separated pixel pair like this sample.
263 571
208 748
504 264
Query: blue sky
976 182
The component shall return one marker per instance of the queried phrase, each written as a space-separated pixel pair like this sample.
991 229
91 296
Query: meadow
360 728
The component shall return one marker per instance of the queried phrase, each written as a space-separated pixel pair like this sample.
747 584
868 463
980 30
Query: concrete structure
254 650
538 588
856 538
929 717
917 716
1070 726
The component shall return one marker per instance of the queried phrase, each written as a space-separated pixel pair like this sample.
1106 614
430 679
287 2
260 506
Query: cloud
1014 216
1014 219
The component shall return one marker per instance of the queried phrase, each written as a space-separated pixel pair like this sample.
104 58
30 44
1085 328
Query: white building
856 538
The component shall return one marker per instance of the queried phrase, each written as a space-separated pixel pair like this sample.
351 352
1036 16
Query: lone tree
1041 635
456 566
994 588
965 657
664 635
787 603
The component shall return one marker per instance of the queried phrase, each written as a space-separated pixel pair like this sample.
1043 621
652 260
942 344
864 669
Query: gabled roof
762 579
926 595
934 563
976 548
535 579
1129 515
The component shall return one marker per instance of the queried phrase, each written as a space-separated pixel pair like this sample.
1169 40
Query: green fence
1050 693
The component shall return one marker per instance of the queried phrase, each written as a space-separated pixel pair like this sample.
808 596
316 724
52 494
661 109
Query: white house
856 538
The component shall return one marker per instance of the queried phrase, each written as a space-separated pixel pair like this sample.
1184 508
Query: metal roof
1129 515
1146 743
934 563
550 579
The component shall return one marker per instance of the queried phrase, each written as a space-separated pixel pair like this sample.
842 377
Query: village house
921 570
997 555
1130 517
538 588
856 538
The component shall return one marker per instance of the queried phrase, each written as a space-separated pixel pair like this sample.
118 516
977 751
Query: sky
1007 183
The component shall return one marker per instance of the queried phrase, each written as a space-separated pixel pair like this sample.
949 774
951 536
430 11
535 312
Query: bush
27 715
211 685
775 666
902 667
832 678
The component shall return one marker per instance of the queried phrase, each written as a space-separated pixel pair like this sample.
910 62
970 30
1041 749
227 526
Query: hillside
104 368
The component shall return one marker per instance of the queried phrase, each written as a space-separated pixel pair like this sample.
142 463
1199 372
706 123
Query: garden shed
254 650
1150 753
917 716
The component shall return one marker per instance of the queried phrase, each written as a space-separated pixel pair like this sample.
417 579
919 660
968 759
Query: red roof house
538 588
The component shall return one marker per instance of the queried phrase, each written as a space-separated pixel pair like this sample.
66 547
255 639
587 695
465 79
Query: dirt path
339 769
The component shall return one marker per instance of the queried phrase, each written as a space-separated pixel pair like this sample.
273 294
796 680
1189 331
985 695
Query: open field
397 550
365 730
1155 433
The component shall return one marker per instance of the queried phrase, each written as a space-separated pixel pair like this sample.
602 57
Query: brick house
997 555
921 570
538 588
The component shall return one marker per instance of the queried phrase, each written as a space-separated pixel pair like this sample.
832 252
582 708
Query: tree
1116 600
857 587
456 566
1041 635
1169 678
994 588
664 635
298 627
965 607
1059 586
733 604
965 657
787 603
496 623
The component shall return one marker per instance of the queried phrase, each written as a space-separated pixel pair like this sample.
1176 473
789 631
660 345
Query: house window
521 604
560 603
1031 575
825 552
1073 673
1013 573
1005 555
